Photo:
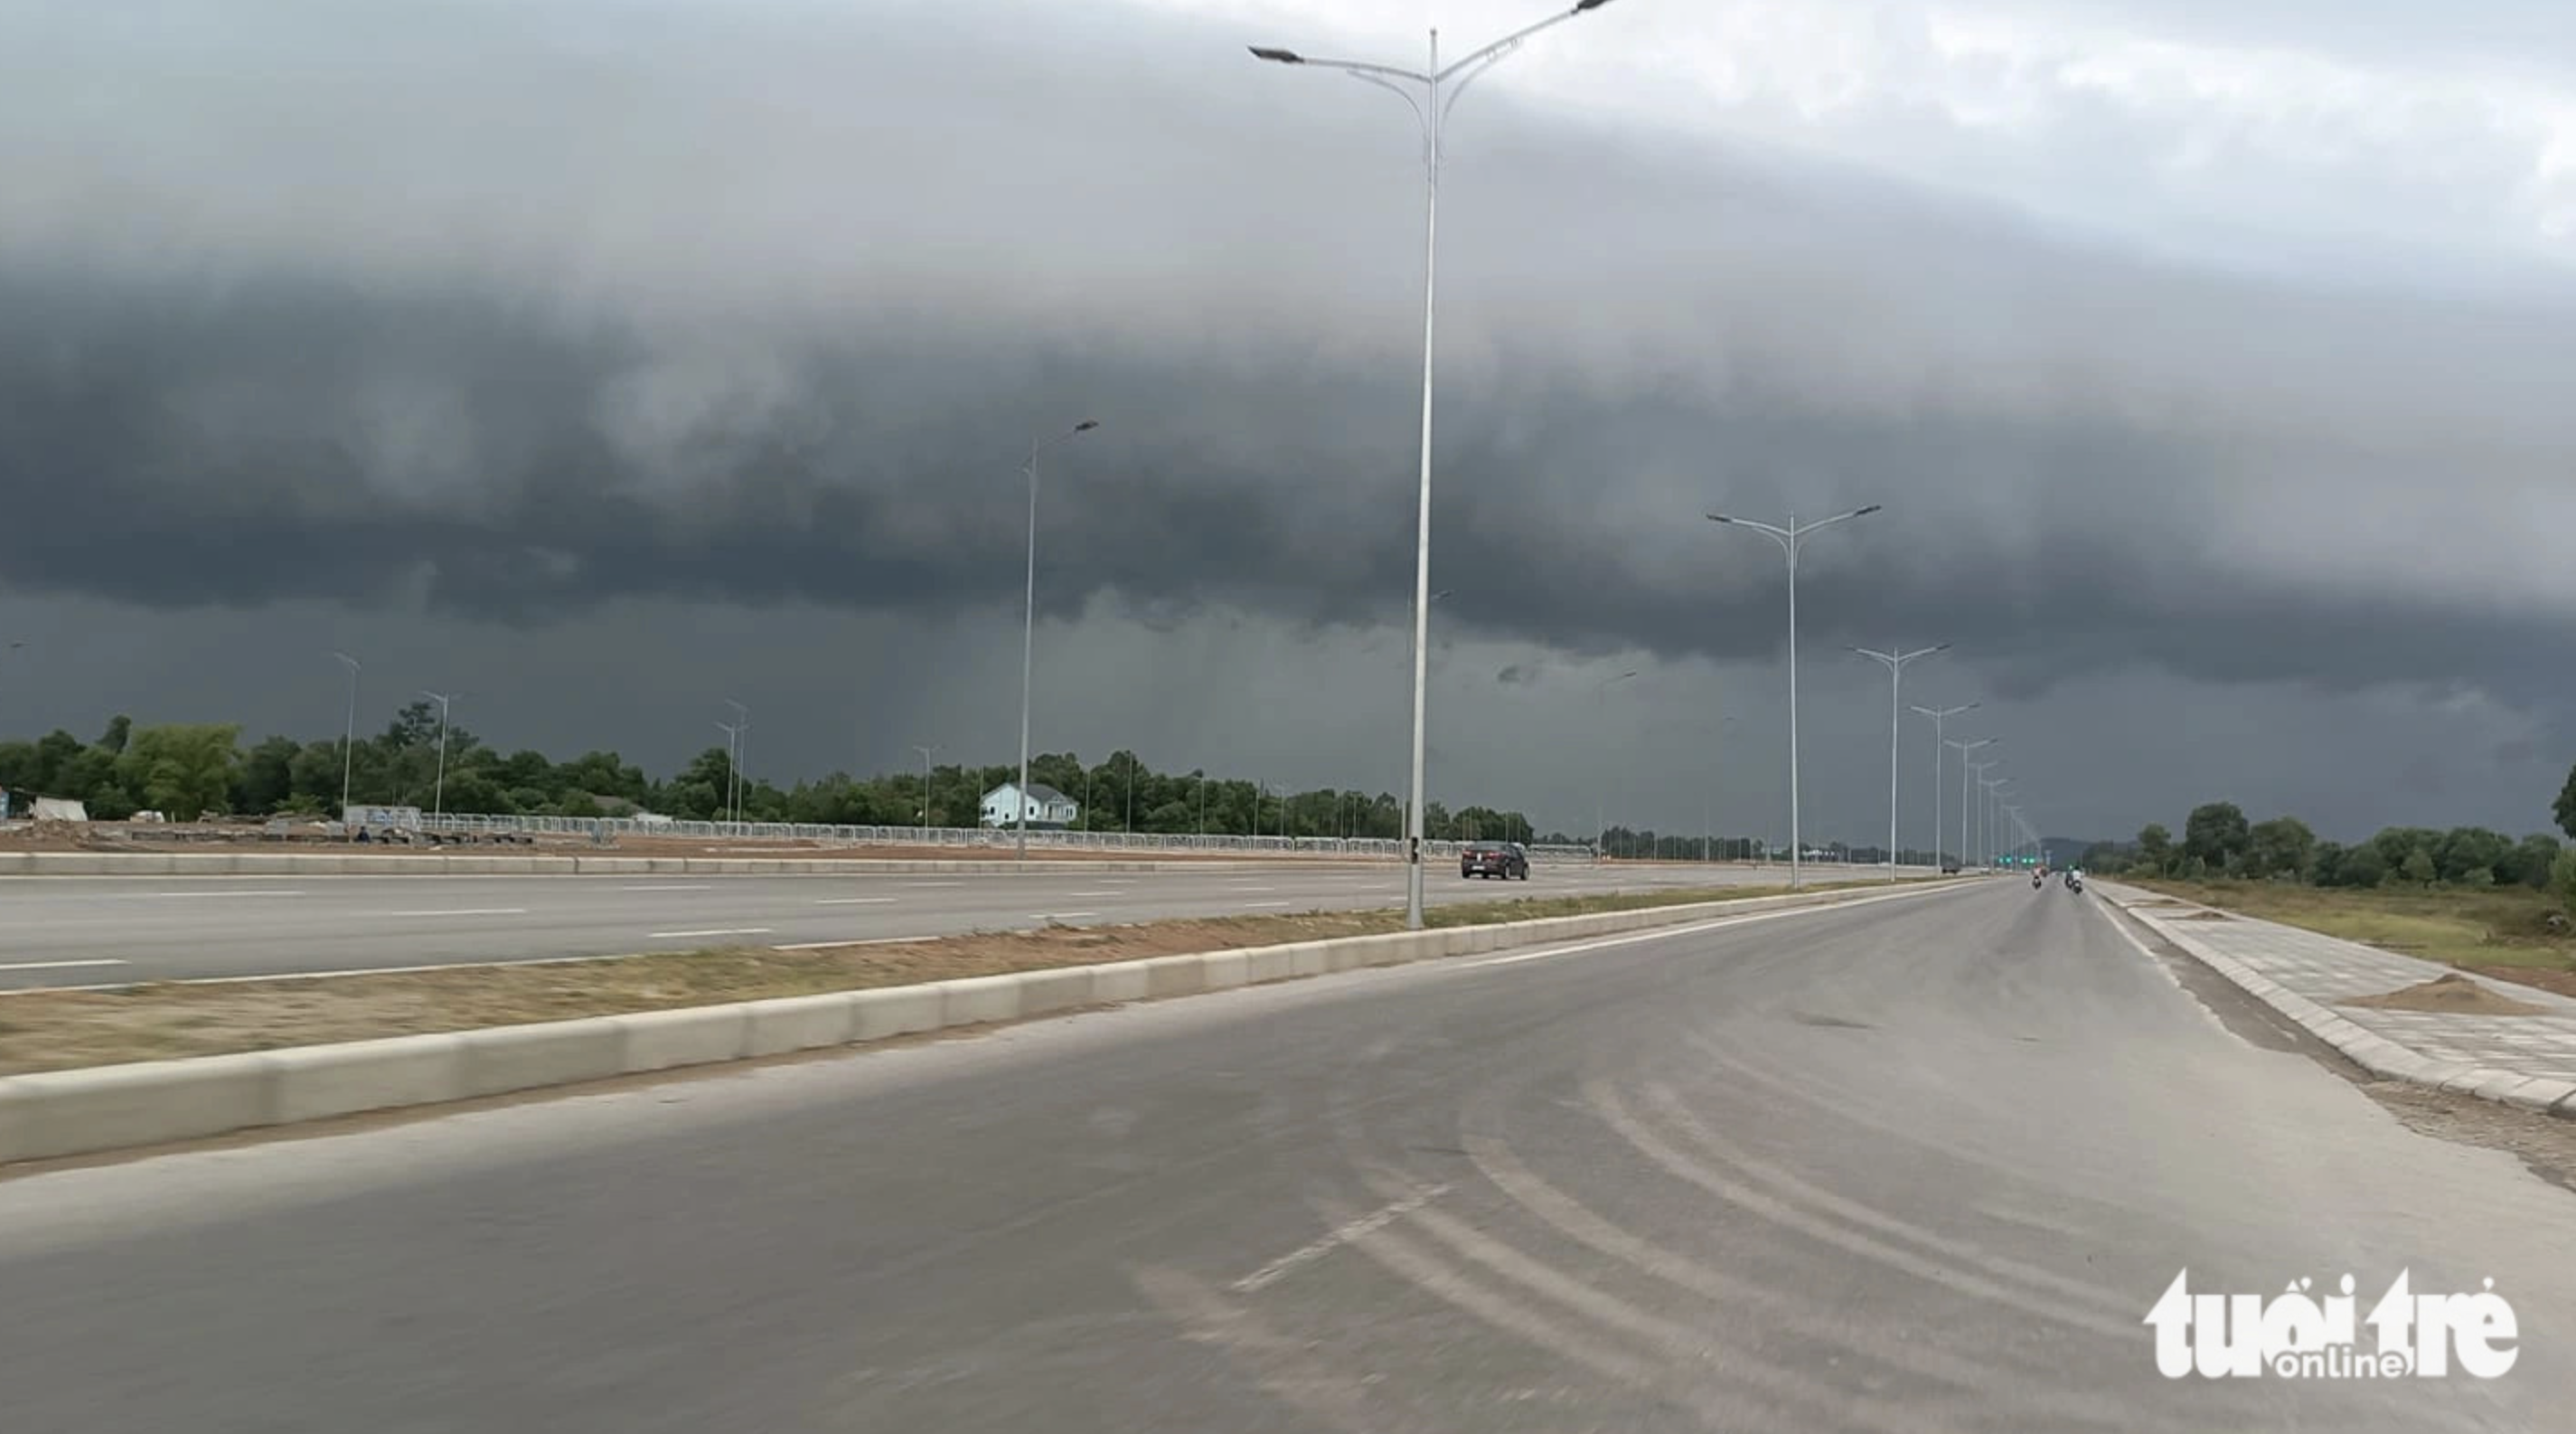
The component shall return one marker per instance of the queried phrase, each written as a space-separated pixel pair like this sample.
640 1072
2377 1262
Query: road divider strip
66 1113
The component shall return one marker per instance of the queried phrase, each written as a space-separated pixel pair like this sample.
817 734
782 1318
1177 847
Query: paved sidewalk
2521 1060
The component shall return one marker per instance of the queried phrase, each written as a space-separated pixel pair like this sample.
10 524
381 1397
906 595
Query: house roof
1038 791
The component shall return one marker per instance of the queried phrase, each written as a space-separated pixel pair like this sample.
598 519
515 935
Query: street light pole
741 745
1938 716
724 799
1894 661
927 753
1992 792
1029 633
1979 772
438 797
348 735
1967 769
1963 749
1601 779
1788 538
1432 109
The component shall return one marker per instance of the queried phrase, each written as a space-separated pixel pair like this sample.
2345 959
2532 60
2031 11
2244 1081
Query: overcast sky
607 360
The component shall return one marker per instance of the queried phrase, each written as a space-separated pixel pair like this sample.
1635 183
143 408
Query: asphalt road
1917 1166
59 931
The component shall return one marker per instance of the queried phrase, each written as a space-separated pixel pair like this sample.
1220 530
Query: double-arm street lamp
1991 814
1938 716
348 734
1438 88
1601 779
1965 767
1029 633
1894 661
1788 538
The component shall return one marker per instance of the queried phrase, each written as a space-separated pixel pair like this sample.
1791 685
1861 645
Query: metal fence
963 838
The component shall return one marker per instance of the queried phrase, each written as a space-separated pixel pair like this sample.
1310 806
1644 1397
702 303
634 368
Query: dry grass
56 1030
2496 931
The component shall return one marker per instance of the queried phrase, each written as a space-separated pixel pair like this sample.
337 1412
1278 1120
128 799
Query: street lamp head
1719 518
1086 425
1865 512
1278 56
1941 647
1582 5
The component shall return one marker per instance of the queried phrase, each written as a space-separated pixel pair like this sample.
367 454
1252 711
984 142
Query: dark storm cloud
777 326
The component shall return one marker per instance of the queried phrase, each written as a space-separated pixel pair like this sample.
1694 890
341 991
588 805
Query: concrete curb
51 1114
2377 1054
284 863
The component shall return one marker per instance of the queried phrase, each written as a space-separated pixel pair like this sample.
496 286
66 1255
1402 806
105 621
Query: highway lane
1915 1167
57 931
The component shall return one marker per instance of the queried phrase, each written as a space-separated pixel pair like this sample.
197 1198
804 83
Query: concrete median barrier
1227 969
318 1082
503 1059
696 1035
800 1023
1120 983
79 1112
897 1011
1043 992
979 1000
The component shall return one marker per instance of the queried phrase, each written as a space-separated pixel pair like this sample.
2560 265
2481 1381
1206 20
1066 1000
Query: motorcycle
2037 881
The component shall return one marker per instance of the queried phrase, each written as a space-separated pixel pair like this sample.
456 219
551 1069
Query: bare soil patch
2452 993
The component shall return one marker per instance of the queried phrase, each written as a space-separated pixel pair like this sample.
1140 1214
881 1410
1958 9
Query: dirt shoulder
2498 932
58 1030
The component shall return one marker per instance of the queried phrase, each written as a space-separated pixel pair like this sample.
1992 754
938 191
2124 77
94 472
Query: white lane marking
1240 887
721 931
461 911
1254 904
666 888
854 901
54 965
1059 915
196 895
871 941
1336 1237
934 885
1111 892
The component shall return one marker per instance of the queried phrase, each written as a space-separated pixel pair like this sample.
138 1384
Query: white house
1047 807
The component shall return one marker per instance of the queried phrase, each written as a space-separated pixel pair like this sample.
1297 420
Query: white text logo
2293 1336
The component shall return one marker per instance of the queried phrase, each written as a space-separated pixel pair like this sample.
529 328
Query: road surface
58 931
1914 1167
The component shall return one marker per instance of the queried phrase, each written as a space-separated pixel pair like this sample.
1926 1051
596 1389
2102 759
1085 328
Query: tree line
189 771
2218 841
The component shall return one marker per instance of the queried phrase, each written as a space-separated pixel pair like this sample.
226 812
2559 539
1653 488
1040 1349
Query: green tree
2155 848
2216 834
2282 847
2565 808
2418 869
185 770
2562 877
2363 865
2530 862
266 780
2470 855
120 730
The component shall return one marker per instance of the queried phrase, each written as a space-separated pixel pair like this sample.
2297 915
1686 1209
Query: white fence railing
965 838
